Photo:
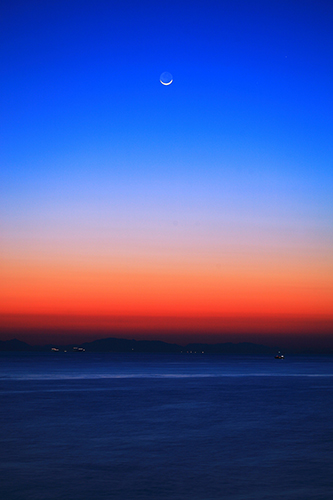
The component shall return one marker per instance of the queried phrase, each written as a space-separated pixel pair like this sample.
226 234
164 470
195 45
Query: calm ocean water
83 426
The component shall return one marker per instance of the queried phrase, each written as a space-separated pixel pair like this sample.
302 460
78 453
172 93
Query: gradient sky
198 205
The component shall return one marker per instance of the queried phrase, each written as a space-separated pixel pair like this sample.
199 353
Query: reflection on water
113 426
48 366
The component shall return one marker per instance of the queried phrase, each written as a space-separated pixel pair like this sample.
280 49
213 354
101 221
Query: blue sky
236 153
252 92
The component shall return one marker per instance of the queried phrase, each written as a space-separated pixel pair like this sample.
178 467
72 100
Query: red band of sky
312 331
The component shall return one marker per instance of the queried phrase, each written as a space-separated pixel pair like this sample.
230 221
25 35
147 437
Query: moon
166 78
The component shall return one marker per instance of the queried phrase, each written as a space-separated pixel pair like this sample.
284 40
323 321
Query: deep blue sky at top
250 109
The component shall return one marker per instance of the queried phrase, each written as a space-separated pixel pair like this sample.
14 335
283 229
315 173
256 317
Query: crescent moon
169 83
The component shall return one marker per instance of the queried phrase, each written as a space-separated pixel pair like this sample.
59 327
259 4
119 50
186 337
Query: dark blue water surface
82 426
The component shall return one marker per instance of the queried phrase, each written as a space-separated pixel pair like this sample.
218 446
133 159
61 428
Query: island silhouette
120 345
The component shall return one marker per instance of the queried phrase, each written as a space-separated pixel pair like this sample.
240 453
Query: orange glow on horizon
74 288
208 293
249 324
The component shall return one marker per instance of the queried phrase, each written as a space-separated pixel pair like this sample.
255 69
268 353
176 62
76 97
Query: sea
100 426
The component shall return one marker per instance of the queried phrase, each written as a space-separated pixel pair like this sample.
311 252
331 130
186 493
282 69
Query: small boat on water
279 355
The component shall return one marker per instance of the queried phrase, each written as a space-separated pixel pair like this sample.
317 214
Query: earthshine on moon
166 78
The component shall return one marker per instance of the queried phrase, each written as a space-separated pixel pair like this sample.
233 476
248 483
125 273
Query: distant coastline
153 346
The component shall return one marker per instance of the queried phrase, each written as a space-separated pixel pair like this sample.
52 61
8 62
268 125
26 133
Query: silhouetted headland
153 346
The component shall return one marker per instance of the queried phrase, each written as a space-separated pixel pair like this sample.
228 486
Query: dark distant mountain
15 345
156 346
124 345
230 348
